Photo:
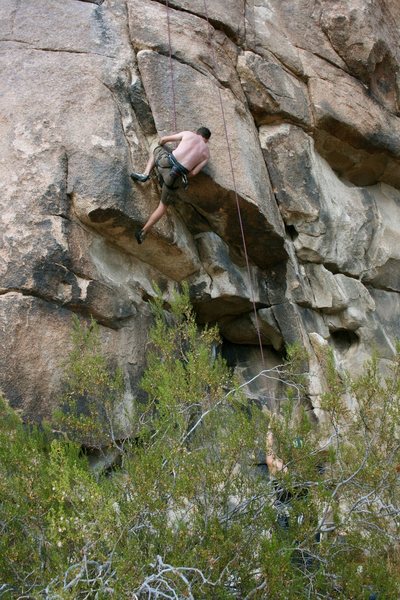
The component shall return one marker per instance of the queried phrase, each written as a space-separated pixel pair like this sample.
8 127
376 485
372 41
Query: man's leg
154 217
164 171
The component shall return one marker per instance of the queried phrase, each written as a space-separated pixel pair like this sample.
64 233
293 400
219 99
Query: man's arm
174 137
198 168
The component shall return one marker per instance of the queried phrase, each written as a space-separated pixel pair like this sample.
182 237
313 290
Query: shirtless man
189 157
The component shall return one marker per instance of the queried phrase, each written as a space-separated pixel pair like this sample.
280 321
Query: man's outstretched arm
174 137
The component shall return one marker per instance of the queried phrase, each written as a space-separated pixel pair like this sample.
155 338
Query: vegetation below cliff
190 510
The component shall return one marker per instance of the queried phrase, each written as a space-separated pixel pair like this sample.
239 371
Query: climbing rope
171 70
240 219
236 193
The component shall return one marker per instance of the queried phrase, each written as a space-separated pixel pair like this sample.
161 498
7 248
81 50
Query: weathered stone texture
303 100
365 35
272 91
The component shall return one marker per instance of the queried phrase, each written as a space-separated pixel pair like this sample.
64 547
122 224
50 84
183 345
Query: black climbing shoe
139 177
140 235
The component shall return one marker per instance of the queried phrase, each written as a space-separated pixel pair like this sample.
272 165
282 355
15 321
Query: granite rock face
303 101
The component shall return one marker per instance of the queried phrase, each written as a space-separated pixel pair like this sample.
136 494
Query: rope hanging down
236 196
171 71
230 162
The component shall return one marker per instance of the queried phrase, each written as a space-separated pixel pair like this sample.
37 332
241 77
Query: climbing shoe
139 177
140 235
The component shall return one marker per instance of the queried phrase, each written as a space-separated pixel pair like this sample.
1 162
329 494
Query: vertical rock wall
311 98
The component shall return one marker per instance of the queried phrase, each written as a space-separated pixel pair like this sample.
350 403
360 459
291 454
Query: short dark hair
204 132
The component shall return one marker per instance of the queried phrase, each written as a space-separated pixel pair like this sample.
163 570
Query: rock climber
283 496
300 558
276 465
173 168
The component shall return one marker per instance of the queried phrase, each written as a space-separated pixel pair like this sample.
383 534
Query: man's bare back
192 151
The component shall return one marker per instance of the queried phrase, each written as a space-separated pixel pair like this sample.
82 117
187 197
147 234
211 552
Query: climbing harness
179 170
176 170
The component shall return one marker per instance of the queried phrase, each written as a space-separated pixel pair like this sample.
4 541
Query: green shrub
188 514
92 391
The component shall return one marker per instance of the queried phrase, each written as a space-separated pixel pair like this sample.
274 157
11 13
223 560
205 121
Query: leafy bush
190 513
93 392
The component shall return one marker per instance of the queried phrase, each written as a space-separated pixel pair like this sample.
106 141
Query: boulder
266 33
300 24
188 39
332 223
35 340
253 328
272 92
223 289
365 35
357 136
384 272
231 20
